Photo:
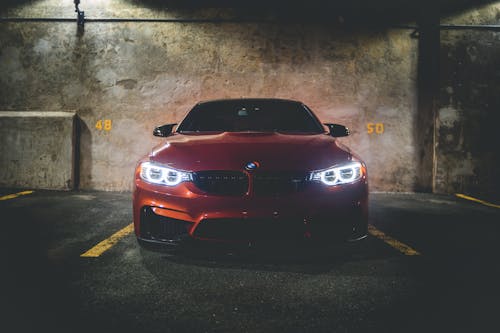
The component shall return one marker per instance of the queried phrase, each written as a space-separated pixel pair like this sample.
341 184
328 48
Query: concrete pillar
428 90
37 150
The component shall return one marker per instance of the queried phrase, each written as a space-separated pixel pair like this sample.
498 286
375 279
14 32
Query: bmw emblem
250 166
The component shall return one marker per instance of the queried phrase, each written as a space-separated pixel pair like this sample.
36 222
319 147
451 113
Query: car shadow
307 258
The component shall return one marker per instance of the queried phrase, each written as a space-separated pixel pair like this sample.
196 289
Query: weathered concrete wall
37 150
468 114
138 75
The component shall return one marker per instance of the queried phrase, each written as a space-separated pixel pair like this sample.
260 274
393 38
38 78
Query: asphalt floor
430 263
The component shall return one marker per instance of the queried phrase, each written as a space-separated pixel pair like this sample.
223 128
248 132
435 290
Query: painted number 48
104 125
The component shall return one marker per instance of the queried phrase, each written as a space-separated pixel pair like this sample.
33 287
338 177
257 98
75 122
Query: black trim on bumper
249 229
159 229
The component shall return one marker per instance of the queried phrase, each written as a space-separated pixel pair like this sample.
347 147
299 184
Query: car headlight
157 174
338 175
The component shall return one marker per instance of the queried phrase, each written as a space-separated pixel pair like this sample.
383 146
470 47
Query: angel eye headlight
339 175
157 174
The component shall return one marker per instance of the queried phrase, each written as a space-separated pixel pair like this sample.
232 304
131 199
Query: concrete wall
125 78
468 110
138 75
37 150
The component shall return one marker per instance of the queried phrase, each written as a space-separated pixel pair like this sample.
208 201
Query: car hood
232 151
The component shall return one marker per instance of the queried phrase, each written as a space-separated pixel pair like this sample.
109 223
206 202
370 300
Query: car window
251 115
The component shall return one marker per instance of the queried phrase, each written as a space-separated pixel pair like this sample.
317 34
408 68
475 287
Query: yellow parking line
15 195
401 247
106 244
486 203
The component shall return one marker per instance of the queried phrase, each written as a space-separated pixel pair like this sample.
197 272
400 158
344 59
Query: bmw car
249 170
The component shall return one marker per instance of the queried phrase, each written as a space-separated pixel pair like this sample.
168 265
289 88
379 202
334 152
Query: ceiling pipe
491 27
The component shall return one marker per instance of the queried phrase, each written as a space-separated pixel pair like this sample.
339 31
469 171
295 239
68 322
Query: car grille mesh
237 183
278 183
221 182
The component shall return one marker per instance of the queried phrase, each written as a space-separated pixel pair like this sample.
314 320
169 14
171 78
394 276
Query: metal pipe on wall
492 27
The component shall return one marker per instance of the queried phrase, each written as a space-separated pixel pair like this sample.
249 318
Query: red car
247 170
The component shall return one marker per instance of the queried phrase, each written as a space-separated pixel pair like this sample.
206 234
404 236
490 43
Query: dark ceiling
370 12
354 11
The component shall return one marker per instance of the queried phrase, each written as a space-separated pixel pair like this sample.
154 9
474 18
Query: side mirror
337 130
164 131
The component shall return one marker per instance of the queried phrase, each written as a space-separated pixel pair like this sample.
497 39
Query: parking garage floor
71 263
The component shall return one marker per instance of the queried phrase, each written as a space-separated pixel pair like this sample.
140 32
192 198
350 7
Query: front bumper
170 215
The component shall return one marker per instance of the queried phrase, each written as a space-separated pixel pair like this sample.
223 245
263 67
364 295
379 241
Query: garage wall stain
468 112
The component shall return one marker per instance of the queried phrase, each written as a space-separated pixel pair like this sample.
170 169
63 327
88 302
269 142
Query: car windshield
251 115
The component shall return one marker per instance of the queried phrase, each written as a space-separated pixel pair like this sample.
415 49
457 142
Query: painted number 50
377 128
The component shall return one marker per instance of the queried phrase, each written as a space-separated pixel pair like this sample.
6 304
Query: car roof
250 100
